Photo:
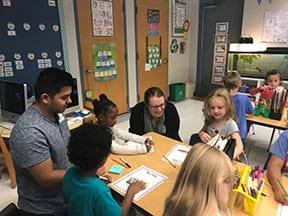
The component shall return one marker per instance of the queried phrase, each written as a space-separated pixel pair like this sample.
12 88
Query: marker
125 162
169 161
182 150
118 162
104 178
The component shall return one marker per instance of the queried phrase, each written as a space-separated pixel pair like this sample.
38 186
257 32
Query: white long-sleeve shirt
124 142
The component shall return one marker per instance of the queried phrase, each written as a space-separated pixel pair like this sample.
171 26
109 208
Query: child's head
218 106
105 111
89 146
232 80
273 78
202 187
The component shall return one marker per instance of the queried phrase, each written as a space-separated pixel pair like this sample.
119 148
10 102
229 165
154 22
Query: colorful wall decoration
153 19
220 52
102 17
104 61
153 55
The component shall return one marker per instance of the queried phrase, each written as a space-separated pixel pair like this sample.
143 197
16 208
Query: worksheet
177 154
151 177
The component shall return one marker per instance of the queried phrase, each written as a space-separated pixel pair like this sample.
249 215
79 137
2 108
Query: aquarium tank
256 65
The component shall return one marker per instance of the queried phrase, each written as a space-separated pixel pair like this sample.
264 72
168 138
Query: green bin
177 91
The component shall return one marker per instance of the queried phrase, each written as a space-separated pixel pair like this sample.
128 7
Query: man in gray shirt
38 146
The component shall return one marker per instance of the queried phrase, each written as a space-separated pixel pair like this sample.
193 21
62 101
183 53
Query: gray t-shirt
34 139
225 130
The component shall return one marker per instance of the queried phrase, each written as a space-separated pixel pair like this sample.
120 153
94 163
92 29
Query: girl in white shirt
123 142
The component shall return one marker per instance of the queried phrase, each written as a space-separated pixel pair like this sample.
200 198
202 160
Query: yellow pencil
169 161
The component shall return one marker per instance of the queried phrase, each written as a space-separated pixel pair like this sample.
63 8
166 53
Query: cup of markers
249 189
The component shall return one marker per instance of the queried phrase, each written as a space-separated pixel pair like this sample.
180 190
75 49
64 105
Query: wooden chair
6 161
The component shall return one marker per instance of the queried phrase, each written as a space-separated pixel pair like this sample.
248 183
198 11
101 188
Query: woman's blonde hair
230 111
197 188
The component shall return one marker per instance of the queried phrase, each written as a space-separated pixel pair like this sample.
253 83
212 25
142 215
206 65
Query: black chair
10 210
194 139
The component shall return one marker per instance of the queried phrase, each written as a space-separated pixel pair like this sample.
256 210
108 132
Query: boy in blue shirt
232 82
84 193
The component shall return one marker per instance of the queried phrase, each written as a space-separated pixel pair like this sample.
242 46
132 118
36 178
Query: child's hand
135 187
149 141
281 197
101 171
265 88
148 147
238 150
205 137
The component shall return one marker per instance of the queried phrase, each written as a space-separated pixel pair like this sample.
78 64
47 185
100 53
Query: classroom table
275 124
153 202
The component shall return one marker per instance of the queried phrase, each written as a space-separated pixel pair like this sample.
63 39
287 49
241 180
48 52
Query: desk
5 133
153 203
275 124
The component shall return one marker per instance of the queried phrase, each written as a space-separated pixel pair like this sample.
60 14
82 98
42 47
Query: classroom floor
191 121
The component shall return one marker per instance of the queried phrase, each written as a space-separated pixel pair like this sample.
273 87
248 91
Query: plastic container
240 197
177 92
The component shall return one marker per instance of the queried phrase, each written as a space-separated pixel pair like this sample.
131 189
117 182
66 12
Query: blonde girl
220 118
202 187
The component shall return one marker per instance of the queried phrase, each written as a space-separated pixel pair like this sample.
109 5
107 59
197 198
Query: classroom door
115 89
157 76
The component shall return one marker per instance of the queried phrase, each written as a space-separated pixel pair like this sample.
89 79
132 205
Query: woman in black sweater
155 115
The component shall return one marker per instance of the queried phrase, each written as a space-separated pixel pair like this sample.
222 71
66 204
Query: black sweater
171 122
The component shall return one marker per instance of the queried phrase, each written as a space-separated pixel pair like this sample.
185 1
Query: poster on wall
275 28
220 52
102 17
153 58
104 61
153 19
179 15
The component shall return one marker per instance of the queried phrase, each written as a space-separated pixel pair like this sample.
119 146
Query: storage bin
177 91
248 203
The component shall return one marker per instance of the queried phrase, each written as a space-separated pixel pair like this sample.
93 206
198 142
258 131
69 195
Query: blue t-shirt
280 149
242 106
88 196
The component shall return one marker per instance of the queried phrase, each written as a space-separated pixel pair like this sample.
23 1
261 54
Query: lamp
246 45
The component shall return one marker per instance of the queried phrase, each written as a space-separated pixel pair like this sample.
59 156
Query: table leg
271 139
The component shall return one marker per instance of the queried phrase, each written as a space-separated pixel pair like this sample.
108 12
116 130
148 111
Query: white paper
151 177
177 154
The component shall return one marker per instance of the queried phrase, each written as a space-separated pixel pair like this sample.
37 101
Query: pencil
125 162
118 162
169 161
282 187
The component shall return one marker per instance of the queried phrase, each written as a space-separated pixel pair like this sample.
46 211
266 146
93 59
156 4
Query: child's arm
273 173
205 137
128 148
127 136
238 146
133 189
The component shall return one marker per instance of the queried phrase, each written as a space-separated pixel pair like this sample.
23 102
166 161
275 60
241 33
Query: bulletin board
30 39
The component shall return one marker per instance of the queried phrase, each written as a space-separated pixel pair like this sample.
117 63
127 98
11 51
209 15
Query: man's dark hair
151 92
89 146
50 81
